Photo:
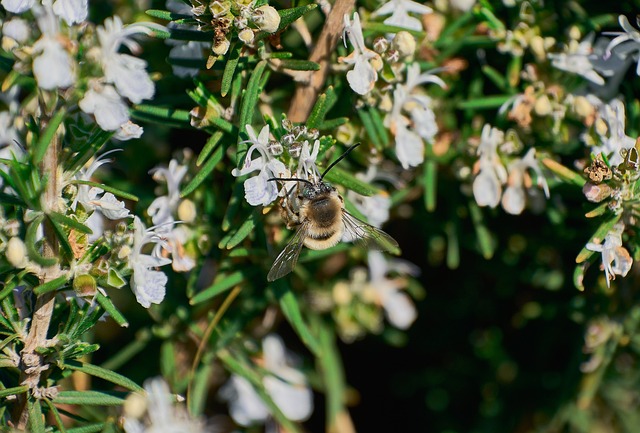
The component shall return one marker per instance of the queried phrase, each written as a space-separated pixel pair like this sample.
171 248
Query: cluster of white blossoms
491 175
410 116
51 53
259 191
286 385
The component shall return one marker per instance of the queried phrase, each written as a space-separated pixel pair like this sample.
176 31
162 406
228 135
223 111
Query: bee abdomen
322 239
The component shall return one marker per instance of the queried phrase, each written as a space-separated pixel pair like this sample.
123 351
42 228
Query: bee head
312 191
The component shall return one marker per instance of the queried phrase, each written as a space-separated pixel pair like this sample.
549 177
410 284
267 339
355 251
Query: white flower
578 59
162 209
376 207
147 284
615 258
110 206
17 6
625 43
399 10
421 120
72 11
307 161
106 206
258 190
106 105
52 64
362 78
16 29
286 386
397 305
487 186
126 72
157 412
615 139
513 199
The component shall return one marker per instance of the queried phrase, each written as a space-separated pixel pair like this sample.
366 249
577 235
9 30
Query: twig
307 91
32 364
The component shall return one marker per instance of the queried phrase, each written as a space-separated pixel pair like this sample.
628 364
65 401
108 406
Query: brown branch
307 92
31 363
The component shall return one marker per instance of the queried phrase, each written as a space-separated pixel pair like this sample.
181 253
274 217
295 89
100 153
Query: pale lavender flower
398 306
89 197
615 139
615 258
362 78
399 10
126 72
148 284
52 64
514 197
162 211
16 29
72 11
17 6
375 207
420 125
286 386
625 43
578 58
258 190
307 161
106 104
487 186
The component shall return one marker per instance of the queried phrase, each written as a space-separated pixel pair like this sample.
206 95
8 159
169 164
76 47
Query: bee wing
368 236
287 259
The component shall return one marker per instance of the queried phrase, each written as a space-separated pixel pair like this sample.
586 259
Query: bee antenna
293 179
346 152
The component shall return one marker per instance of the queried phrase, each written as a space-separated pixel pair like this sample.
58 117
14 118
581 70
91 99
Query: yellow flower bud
341 293
542 106
16 252
187 211
404 43
601 127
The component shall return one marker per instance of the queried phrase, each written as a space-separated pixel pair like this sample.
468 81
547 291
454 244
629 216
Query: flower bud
601 127
341 293
583 107
380 44
404 43
275 148
542 106
187 211
16 252
266 18
246 36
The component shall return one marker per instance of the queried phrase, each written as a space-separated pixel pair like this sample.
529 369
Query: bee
317 210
